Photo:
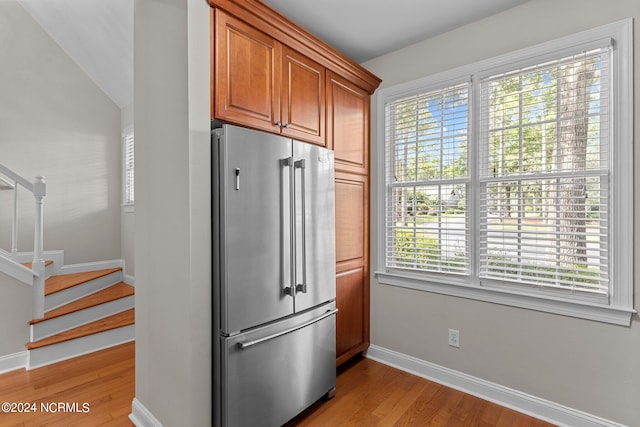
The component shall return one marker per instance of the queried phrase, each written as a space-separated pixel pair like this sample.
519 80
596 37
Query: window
544 168
128 163
510 180
428 181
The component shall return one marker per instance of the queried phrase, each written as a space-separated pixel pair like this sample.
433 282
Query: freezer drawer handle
247 344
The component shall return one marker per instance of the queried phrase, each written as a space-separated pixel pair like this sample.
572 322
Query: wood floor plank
473 408
422 406
433 409
380 404
105 380
412 401
400 387
401 407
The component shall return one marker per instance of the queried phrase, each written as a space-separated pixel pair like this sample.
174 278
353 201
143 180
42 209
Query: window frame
618 308
127 136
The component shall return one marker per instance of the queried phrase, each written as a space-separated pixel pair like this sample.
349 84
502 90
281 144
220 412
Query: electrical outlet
454 338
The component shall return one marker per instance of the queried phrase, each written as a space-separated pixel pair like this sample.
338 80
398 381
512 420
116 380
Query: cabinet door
348 124
352 264
246 76
303 98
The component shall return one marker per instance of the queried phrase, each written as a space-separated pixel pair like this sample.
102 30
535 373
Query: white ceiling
98 34
365 29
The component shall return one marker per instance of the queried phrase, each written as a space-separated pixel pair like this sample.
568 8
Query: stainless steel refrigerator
274 277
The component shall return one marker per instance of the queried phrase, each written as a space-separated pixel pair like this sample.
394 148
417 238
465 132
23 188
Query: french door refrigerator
273 275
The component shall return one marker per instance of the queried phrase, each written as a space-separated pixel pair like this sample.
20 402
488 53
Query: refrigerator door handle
291 289
247 344
302 287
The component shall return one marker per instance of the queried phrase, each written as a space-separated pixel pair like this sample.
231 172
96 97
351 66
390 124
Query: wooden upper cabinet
245 74
303 98
260 83
348 124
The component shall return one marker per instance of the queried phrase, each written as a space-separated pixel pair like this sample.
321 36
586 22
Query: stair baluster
38 189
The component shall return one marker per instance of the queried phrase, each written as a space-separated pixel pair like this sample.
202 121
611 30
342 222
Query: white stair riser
65 350
90 266
49 270
72 320
76 292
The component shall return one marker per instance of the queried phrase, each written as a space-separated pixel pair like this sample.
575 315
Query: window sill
128 208
582 310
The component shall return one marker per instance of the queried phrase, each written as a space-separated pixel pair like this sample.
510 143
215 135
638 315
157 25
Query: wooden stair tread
117 320
29 265
112 293
65 281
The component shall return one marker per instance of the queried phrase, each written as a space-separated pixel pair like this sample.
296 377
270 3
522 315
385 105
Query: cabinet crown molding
271 22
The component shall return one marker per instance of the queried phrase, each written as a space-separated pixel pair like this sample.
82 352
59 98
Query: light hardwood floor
373 394
369 394
104 380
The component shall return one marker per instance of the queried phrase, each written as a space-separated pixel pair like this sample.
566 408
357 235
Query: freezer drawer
271 375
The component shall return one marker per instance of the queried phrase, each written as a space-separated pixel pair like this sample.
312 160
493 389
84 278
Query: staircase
85 311
76 309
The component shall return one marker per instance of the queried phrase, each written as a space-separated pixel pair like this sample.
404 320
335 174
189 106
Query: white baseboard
14 361
510 398
129 280
141 416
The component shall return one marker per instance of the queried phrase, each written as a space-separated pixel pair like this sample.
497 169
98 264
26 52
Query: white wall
173 215
585 365
54 121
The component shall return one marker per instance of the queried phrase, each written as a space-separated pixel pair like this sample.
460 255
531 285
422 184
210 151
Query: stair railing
39 189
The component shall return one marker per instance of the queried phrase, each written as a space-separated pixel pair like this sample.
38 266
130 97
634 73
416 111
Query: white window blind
544 175
128 168
427 179
517 187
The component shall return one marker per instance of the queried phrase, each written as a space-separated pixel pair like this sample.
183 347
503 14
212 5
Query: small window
128 166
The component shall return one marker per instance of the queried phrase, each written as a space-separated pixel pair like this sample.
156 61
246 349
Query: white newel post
39 191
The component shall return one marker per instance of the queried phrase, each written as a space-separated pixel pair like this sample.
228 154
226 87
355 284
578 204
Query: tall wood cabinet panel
348 109
351 333
352 264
